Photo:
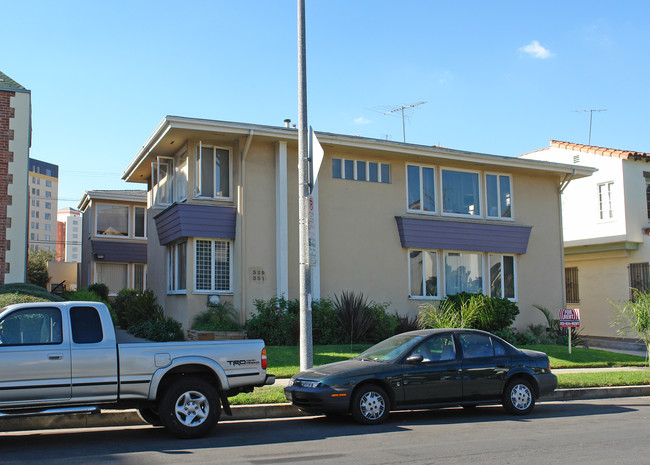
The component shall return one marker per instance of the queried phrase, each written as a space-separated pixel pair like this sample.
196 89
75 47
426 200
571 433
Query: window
48 216
212 177
31 326
421 188
605 200
112 220
476 345
46 226
139 222
647 192
180 193
48 194
460 193
502 276
114 275
47 237
162 174
176 267
571 282
423 271
139 276
86 325
360 170
436 349
463 272
639 277
213 265
48 183
48 205
499 197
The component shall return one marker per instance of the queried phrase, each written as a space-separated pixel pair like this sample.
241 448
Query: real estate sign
570 318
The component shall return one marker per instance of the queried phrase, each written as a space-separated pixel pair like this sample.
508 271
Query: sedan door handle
55 356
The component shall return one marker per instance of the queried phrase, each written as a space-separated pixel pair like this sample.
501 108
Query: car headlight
310 384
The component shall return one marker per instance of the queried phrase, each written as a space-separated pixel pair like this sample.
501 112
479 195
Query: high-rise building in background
15 141
43 185
68 240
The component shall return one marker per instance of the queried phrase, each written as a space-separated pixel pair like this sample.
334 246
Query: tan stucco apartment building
606 229
15 142
401 223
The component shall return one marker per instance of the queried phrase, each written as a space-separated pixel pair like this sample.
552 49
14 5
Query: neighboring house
114 239
15 142
401 223
606 227
43 205
69 234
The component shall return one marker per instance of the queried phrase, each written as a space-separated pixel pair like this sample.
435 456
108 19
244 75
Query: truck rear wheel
190 408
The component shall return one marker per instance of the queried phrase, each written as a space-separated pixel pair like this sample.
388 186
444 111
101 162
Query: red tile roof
604 151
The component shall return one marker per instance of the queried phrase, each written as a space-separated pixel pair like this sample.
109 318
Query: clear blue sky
501 77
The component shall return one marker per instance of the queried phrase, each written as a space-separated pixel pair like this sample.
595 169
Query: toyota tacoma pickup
63 357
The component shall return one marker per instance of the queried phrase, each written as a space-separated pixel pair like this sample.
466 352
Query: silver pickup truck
63 357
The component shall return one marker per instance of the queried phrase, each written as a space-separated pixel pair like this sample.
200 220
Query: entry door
36 361
437 377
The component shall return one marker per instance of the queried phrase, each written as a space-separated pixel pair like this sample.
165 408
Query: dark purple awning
421 233
187 220
119 251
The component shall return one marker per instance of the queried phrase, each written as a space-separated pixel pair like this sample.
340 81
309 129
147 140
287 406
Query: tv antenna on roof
591 115
386 110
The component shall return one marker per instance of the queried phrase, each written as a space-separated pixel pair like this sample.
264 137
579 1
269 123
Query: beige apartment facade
403 224
15 143
43 185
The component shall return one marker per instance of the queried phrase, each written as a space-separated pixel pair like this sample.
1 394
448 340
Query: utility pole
306 345
591 114
401 109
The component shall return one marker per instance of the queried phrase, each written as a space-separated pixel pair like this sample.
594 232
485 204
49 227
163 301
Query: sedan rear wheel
370 405
519 397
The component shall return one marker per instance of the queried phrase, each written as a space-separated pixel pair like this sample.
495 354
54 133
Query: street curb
109 418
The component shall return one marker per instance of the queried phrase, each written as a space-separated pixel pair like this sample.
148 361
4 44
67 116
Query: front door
436 377
35 358
483 368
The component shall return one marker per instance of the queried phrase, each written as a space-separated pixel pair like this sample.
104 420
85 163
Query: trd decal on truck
242 363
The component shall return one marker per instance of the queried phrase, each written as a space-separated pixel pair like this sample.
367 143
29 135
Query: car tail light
264 358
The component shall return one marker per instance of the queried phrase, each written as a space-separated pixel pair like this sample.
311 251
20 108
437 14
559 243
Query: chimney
287 123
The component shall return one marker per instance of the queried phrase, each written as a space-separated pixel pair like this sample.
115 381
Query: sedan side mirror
415 358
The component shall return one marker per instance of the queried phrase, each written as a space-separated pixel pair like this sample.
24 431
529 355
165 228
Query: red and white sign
569 318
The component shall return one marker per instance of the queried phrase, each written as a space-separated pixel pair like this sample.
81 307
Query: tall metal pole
306 347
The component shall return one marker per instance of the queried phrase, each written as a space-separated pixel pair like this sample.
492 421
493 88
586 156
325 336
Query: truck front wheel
190 408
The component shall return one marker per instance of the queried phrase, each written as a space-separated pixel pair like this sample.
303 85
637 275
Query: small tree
37 267
633 317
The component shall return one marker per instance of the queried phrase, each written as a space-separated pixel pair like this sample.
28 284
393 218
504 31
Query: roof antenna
401 109
591 114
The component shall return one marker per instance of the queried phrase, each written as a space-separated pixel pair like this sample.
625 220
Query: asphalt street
602 431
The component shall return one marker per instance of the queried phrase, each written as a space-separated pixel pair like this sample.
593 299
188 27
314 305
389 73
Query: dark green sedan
426 369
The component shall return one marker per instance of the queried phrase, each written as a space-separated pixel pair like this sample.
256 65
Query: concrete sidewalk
116 418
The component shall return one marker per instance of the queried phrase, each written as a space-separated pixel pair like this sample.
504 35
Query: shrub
37 266
326 328
121 305
142 307
82 295
354 316
276 321
30 290
16 298
100 289
159 330
383 326
219 317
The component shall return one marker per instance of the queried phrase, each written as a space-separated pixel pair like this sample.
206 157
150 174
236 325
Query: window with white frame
646 175
499 195
423 273
162 175
139 222
213 262
359 170
176 267
605 200
139 276
421 189
112 220
213 172
461 193
114 275
502 276
180 192
463 272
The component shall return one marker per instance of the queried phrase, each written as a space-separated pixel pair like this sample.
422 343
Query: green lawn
284 361
610 378
585 358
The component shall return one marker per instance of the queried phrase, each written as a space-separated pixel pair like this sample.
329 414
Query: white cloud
536 50
361 120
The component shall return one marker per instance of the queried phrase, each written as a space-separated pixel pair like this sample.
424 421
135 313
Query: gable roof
603 151
6 83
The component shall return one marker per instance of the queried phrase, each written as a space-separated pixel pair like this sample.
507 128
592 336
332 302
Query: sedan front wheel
370 405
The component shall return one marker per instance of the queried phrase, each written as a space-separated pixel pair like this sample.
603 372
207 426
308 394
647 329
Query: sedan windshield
391 348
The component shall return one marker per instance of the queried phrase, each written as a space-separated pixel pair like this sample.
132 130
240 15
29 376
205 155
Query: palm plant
353 315
448 315
633 317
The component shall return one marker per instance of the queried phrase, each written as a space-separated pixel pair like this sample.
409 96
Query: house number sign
257 274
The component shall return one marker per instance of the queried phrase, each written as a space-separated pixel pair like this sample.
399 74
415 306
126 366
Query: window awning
187 220
119 251
421 233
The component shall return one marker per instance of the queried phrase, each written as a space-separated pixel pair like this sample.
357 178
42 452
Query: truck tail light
264 359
